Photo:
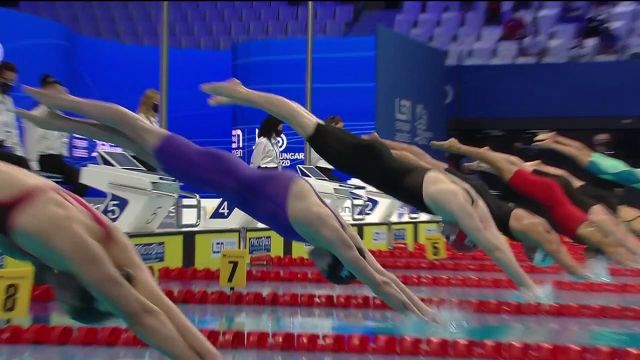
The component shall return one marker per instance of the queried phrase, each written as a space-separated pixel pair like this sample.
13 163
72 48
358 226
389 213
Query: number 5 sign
15 292
233 268
435 246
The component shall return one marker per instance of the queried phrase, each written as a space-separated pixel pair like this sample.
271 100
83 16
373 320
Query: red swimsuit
8 207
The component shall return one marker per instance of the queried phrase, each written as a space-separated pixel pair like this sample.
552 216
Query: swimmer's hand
541 294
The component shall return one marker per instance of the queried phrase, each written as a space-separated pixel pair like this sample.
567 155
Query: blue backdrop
343 84
411 90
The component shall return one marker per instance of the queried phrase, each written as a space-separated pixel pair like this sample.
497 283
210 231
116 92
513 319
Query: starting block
138 200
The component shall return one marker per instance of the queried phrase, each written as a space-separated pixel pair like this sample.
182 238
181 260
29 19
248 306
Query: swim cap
337 273
459 241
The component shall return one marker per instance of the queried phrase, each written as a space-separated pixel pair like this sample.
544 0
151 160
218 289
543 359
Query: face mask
6 87
155 107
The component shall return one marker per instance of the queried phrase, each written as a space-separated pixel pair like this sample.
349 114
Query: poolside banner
411 90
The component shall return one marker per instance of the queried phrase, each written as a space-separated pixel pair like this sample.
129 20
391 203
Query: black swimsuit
371 162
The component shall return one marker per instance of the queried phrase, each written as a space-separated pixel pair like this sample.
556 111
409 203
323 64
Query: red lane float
395 260
364 302
191 274
330 343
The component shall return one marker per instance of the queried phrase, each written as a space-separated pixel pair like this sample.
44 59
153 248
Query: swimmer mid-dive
567 218
428 190
513 221
279 199
96 269
599 164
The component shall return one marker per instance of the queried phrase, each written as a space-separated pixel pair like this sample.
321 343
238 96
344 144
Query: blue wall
343 83
411 90
606 89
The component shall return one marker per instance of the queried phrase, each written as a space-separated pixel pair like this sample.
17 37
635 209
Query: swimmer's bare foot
231 88
545 136
477 166
48 98
451 146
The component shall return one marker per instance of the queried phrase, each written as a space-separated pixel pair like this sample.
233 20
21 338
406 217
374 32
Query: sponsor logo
399 235
379 236
259 245
217 245
151 252
237 142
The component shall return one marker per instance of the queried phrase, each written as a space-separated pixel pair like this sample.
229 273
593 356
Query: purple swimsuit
260 194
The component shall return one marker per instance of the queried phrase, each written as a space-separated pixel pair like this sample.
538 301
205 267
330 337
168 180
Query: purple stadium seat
257 30
201 29
238 28
190 42
196 15
490 34
287 13
150 41
219 28
213 14
557 51
250 14
303 10
403 23
232 14
420 34
130 39
260 4
175 41
224 43
140 14
181 29
335 28
296 28
450 20
208 43
276 28
149 28
224 4
243 4
442 37
412 7
268 14
467 36
428 22
344 13
435 7
546 19
279 3
325 12
565 32
320 27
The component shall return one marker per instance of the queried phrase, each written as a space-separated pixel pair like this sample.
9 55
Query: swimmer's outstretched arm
54 121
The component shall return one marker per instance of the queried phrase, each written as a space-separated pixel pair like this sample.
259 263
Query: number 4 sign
233 268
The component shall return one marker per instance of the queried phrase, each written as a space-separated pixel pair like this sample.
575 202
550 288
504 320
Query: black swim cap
337 273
